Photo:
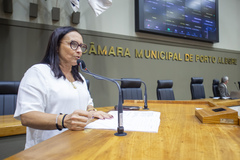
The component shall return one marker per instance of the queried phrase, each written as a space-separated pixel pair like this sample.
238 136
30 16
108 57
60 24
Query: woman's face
67 55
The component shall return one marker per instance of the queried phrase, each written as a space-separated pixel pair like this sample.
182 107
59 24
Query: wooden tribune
180 136
218 115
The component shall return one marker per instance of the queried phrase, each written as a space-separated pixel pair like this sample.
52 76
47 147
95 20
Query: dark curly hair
52 56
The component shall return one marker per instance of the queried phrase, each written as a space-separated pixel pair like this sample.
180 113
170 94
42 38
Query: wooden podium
217 115
180 136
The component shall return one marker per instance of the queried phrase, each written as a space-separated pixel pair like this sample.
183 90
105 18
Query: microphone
101 78
236 85
120 129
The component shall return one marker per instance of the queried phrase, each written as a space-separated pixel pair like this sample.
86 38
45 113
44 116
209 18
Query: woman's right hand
77 120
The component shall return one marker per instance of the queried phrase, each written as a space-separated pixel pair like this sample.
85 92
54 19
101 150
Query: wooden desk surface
223 102
181 136
10 126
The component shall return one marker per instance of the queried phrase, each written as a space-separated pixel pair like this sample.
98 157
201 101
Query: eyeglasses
74 45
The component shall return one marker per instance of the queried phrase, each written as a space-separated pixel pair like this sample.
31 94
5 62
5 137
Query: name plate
228 121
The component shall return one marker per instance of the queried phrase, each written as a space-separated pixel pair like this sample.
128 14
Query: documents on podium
217 115
142 121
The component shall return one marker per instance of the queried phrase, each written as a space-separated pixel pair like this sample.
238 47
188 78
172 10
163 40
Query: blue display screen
192 19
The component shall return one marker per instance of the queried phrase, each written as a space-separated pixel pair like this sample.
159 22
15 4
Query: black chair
197 88
8 97
215 90
238 84
131 88
164 90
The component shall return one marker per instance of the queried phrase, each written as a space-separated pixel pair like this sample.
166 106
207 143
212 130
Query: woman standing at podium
53 96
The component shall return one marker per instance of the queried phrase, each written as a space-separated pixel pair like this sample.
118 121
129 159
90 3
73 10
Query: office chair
131 88
197 88
8 97
215 90
164 90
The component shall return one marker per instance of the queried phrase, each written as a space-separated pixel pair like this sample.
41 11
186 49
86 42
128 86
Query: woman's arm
45 121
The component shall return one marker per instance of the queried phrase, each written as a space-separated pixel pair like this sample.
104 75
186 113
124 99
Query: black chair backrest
164 90
8 97
215 88
131 88
197 88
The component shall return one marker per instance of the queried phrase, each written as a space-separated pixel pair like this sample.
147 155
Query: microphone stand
120 129
145 97
236 85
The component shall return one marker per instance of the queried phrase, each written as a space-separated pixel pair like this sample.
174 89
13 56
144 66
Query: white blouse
40 91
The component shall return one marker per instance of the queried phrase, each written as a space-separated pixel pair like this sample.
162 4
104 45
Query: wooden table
181 136
10 126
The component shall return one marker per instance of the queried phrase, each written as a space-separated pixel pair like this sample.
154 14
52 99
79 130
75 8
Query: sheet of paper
236 108
142 121
225 97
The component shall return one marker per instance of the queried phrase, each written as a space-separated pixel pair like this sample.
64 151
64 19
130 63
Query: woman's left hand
101 115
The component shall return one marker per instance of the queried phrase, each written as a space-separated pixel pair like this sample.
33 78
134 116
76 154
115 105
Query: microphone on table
236 85
120 129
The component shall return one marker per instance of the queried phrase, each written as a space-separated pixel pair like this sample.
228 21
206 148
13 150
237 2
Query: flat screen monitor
190 19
